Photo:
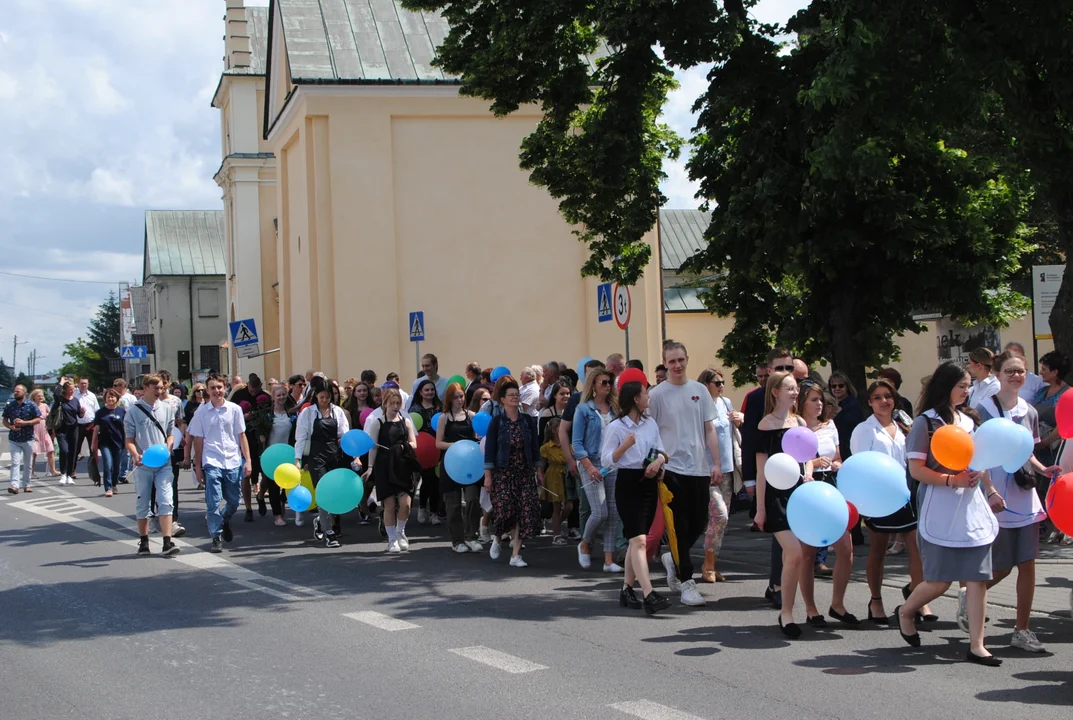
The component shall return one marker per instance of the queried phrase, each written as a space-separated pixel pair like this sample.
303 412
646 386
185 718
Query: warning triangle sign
416 330
244 335
128 353
605 303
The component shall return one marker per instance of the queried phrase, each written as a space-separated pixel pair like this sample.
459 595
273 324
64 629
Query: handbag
54 421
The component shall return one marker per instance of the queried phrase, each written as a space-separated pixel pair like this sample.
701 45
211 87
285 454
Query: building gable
184 242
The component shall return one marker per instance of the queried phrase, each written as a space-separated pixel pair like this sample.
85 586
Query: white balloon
781 471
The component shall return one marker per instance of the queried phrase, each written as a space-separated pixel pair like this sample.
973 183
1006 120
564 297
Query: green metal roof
257 28
681 235
184 242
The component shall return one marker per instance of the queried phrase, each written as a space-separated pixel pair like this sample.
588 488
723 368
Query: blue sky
104 107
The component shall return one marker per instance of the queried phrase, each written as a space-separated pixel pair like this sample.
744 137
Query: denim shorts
144 479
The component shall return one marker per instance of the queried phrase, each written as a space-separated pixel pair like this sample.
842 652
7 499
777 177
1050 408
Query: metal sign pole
417 356
627 343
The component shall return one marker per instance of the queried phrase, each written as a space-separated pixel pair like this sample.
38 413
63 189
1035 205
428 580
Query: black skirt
904 520
636 497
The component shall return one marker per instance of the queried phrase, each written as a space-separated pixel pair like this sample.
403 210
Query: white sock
400 527
390 534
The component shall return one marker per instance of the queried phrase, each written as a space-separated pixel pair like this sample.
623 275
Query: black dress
390 435
454 431
775 500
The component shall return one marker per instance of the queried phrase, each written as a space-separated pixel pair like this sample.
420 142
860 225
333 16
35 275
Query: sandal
896 548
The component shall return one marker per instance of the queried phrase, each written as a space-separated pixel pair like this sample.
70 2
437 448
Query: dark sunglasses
604 383
838 386
783 368
719 383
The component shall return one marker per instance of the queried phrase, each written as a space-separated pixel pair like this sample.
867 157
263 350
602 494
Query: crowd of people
600 458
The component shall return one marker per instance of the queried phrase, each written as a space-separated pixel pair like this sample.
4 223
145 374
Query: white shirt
441 388
827 435
281 429
1025 504
530 396
647 438
220 429
90 403
128 400
982 390
681 412
870 435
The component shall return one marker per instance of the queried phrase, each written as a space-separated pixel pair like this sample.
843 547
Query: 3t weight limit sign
622 306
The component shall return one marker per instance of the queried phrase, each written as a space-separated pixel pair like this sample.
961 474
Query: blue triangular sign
416 330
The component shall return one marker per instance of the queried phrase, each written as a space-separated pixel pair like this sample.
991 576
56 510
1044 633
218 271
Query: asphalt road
279 627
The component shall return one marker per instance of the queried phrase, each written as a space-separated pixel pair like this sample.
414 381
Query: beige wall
406 203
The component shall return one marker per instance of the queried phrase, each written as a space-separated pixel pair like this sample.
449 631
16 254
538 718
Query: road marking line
191 556
379 620
648 710
498 660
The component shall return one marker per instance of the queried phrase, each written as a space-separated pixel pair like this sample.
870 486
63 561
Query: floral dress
515 500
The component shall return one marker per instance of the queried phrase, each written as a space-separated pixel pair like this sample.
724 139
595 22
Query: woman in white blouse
883 432
631 445
816 407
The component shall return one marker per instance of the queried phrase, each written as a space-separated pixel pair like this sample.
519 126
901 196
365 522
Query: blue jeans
225 483
109 466
124 462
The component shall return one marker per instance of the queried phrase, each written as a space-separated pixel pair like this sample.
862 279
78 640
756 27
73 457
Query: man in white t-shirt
530 392
89 401
430 365
685 413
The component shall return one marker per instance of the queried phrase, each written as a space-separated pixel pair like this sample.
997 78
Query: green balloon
339 491
274 456
419 420
458 379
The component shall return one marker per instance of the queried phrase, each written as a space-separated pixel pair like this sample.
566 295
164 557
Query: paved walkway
1054 569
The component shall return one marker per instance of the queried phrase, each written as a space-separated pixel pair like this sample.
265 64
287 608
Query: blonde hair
773 382
387 396
590 387
37 396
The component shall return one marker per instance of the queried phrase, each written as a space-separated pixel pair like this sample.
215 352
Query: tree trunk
846 352
1062 313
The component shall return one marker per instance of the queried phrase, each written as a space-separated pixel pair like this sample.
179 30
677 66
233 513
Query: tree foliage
882 164
89 358
7 376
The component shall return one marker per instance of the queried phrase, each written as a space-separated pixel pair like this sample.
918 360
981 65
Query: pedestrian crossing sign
243 332
603 302
133 352
417 326
128 353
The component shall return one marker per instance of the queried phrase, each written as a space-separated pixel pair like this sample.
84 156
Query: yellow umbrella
665 497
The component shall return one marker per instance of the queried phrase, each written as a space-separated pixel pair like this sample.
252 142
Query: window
210 357
208 302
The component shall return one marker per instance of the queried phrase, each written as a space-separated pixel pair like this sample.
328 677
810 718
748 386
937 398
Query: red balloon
854 517
631 375
1059 503
1063 412
427 454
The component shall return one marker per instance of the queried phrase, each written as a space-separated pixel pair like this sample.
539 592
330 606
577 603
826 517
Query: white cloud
9 86
103 98
105 187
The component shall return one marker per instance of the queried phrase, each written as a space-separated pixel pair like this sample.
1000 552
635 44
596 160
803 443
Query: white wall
170 313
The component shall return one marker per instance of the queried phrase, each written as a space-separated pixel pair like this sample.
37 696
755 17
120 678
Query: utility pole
14 354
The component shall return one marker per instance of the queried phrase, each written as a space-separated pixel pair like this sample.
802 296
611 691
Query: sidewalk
1054 569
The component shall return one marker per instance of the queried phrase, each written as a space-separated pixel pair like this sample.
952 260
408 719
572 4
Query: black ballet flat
895 621
791 631
929 618
877 619
985 660
816 621
846 618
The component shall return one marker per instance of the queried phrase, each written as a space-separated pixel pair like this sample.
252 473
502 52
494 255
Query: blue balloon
581 367
299 499
481 422
874 482
1024 452
356 443
339 491
500 372
995 442
156 456
817 513
436 421
464 462
274 456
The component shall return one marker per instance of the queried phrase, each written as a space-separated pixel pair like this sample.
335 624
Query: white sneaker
70 480
404 542
435 519
517 562
484 536
673 582
583 559
422 515
963 612
474 545
613 568
393 547
298 521
690 595
1027 641
493 550
461 548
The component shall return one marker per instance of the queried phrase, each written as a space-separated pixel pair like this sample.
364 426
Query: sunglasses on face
783 368
838 386
604 383
718 383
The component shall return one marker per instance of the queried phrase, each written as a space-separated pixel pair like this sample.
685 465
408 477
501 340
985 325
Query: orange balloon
952 446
